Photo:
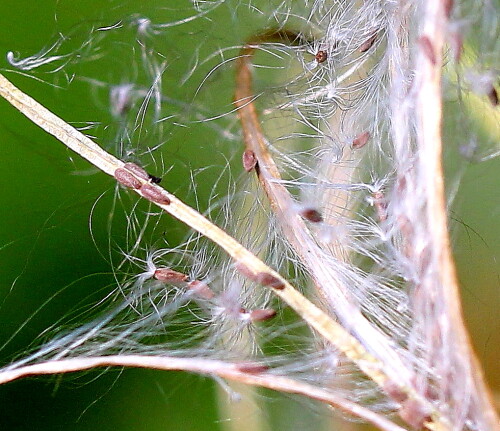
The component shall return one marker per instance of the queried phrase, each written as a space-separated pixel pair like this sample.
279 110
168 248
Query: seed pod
155 194
168 275
455 39
413 413
263 278
127 179
243 269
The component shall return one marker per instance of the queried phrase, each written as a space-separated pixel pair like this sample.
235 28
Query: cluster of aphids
200 290
136 178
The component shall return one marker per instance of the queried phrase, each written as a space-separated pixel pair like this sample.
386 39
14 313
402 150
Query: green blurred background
47 248
46 244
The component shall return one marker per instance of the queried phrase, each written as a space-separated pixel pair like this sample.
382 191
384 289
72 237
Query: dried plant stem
249 263
392 370
429 114
291 222
57 127
222 369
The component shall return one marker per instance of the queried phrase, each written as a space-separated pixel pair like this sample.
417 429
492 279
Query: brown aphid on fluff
262 314
201 289
321 56
361 140
168 275
312 215
249 160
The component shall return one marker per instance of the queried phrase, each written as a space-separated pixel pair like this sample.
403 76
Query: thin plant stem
249 264
395 372
209 367
429 115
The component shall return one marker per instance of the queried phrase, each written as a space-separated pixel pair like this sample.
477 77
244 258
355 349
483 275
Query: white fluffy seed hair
347 218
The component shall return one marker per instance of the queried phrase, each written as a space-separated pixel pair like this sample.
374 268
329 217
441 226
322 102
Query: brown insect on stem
448 7
154 194
321 56
312 215
168 275
428 49
252 368
126 178
261 315
493 96
249 160
269 280
263 278
380 205
365 46
361 140
136 170
201 289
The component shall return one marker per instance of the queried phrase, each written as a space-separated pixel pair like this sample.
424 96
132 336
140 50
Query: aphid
428 49
252 368
312 214
448 7
137 170
127 179
493 96
395 392
243 269
201 289
154 194
365 46
321 56
249 160
263 278
413 413
380 205
456 42
262 314
361 140
269 280
168 275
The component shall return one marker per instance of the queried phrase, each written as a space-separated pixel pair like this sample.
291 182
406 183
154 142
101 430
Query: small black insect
153 179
